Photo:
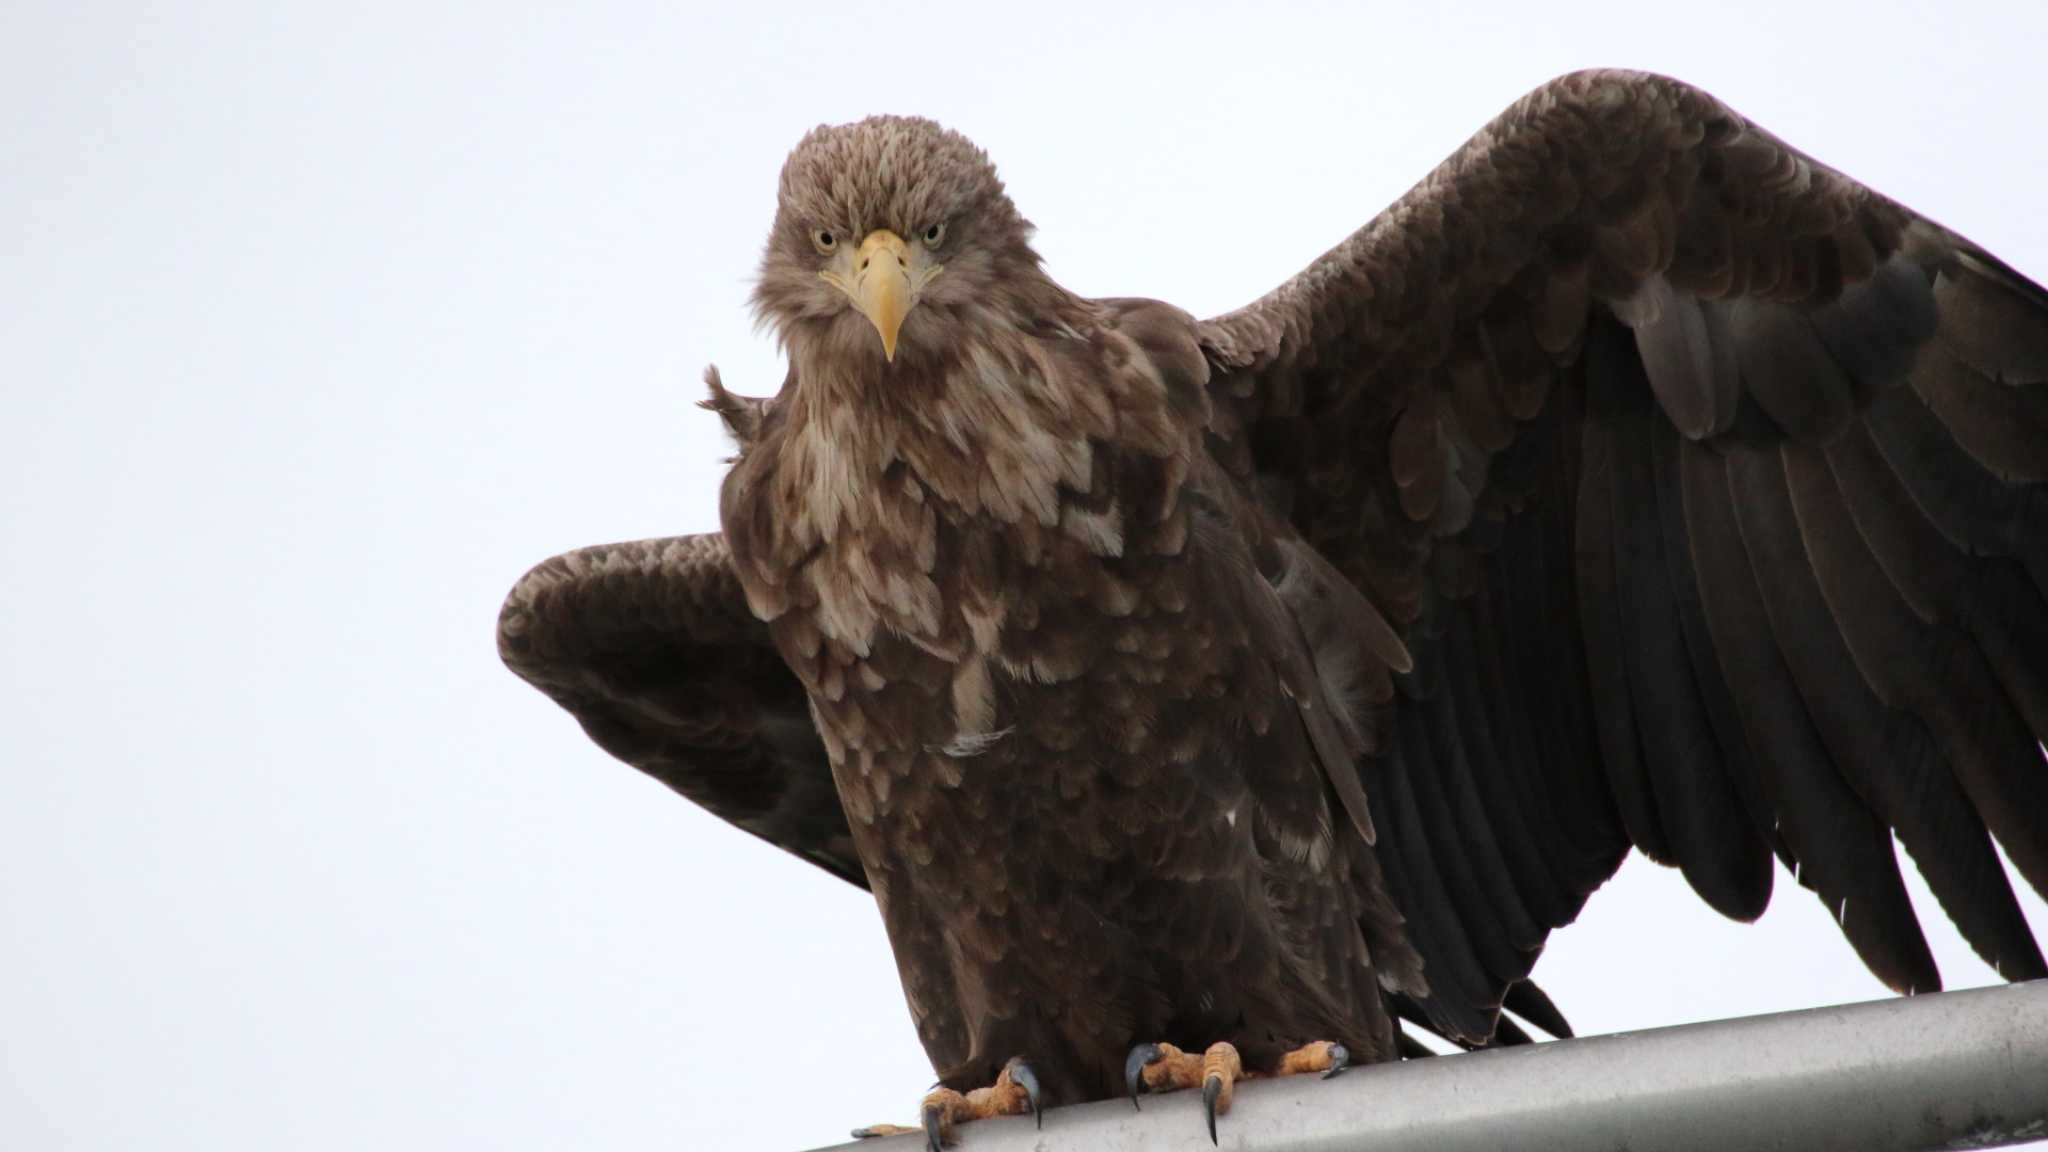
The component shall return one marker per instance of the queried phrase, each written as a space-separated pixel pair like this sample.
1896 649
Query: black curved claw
1023 1077
1340 1059
1134 1069
1211 1088
932 1129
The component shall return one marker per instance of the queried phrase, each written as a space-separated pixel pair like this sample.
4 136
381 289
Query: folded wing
650 646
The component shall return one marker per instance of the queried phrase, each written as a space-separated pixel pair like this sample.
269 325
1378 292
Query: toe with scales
1165 1068
1014 1093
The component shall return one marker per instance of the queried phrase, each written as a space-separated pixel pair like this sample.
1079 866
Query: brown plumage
1633 480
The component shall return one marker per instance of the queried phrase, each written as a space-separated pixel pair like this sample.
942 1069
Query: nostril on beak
864 262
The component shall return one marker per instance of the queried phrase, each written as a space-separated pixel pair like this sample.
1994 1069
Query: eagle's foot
1165 1068
1014 1093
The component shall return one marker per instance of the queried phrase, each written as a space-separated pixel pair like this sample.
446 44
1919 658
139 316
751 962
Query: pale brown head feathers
889 234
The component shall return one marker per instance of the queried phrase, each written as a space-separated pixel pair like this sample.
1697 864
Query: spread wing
651 647
1707 489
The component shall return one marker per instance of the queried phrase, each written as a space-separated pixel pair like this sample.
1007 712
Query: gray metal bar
1949 1070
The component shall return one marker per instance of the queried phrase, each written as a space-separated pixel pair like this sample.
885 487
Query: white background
318 327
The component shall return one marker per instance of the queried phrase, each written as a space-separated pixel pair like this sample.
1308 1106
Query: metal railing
1948 1070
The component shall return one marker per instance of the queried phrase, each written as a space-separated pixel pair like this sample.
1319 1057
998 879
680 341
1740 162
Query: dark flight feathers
1703 487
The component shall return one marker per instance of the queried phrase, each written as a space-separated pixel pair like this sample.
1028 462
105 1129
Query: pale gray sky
318 326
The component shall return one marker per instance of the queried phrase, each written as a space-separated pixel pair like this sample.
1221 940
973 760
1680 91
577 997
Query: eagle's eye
825 240
935 235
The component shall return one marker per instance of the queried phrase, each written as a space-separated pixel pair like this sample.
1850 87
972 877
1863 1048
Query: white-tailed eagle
1251 685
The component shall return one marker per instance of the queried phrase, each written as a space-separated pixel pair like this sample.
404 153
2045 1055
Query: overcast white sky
317 327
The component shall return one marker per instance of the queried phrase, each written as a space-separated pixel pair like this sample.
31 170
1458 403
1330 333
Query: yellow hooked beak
883 284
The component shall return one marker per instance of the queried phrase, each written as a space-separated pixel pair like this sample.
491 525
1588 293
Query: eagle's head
893 238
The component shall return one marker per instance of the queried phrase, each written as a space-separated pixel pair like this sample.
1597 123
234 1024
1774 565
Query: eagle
1208 699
